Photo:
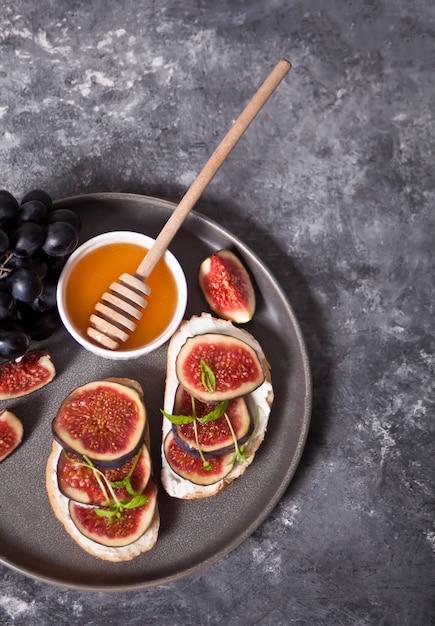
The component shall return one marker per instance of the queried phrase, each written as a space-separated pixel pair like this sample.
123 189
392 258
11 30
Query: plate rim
303 433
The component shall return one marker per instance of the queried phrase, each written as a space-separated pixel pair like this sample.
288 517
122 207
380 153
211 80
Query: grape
42 325
33 211
13 343
28 239
35 242
40 196
7 302
47 298
56 263
66 215
61 238
8 208
37 262
4 242
25 284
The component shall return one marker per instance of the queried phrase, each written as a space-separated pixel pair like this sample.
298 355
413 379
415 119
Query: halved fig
192 468
227 287
118 531
103 420
78 482
11 433
213 437
25 374
234 365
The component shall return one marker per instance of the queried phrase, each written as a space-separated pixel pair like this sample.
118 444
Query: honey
92 276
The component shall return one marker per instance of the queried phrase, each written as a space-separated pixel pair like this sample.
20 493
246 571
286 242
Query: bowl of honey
95 265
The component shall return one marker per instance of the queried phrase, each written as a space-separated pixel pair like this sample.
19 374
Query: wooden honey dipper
115 315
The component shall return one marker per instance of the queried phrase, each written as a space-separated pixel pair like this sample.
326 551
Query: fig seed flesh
118 532
77 481
25 374
227 287
11 433
192 468
103 420
214 437
235 365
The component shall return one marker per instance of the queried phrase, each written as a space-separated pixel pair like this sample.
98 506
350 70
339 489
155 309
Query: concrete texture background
333 187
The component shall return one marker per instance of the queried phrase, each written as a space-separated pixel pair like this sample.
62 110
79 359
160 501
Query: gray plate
193 535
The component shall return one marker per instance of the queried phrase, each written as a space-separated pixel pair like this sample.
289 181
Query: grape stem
4 271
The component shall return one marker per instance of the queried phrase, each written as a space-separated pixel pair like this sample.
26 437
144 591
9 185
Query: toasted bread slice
60 504
259 403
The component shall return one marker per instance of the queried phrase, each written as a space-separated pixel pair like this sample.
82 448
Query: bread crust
59 504
259 403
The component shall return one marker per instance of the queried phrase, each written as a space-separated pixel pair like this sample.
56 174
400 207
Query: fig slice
11 433
193 468
227 287
78 482
119 531
104 420
26 374
214 437
233 364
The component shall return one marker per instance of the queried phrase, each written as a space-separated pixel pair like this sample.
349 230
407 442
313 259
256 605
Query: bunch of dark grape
35 241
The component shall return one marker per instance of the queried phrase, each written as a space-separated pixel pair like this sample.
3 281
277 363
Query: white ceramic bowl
121 237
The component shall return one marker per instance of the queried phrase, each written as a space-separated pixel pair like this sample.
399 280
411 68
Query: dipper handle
211 167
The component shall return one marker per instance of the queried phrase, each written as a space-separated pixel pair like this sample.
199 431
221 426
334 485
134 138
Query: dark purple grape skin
4 242
40 196
41 325
66 215
61 238
25 285
28 239
8 208
37 262
56 263
13 343
47 298
33 211
7 302
28 308
28 304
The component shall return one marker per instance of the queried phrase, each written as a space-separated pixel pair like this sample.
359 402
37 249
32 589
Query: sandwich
99 475
217 404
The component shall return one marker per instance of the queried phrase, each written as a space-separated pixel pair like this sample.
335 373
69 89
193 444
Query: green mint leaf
126 482
240 450
109 513
178 419
215 414
117 507
130 490
138 500
207 377
118 484
240 453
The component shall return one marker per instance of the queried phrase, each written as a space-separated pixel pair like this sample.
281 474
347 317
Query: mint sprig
116 507
208 380
206 464
215 414
178 419
241 450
